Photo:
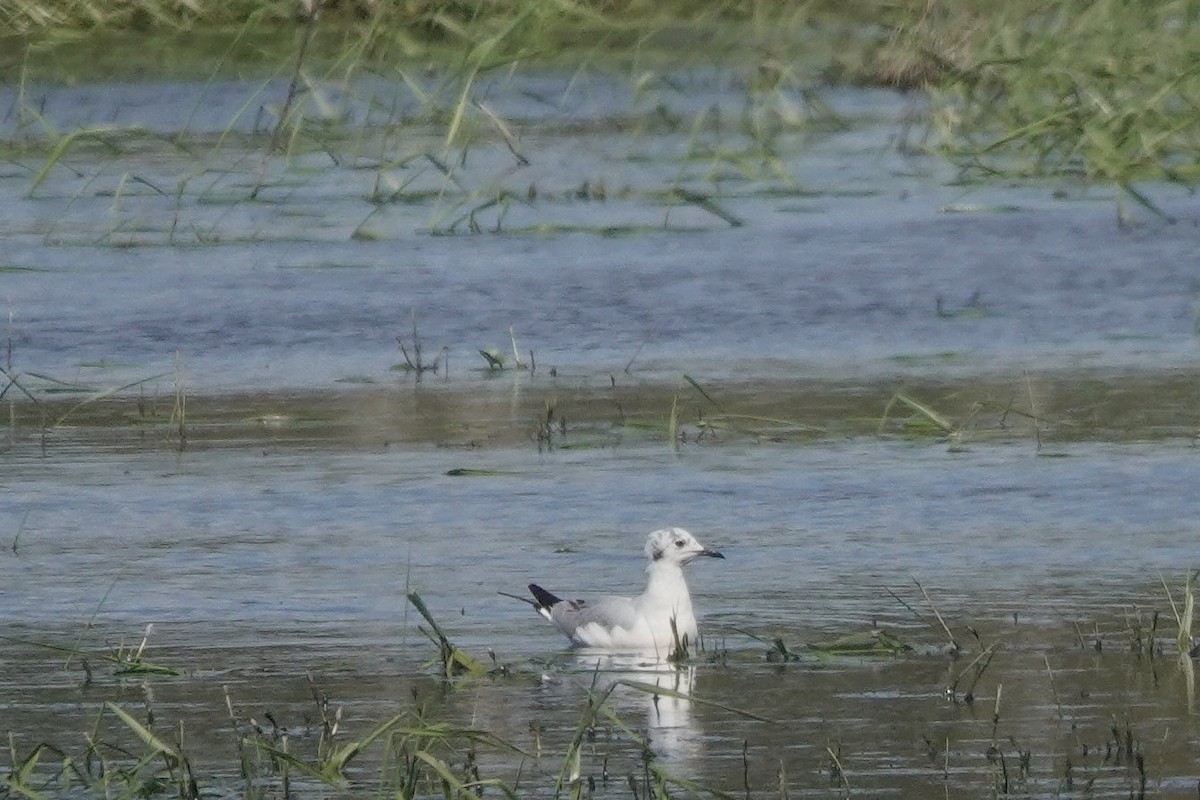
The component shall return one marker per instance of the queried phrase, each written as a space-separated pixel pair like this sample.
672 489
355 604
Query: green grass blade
106 393
64 144
339 760
142 732
652 689
700 389
303 766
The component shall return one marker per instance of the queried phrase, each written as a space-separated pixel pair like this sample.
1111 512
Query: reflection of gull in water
673 735
639 623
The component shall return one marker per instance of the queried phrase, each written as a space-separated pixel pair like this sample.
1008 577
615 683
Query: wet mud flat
512 409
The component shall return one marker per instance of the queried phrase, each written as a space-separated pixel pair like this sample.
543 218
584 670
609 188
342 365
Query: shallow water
259 568
314 488
847 246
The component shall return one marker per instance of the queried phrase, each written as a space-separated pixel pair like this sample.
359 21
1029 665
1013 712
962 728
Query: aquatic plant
1104 91
495 359
414 755
414 363
132 661
1185 617
1114 731
324 108
107 768
126 661
874 642
926 420
454 661
549 429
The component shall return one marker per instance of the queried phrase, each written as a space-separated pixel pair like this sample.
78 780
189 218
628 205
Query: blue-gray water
264 559
115 263
814 534
257 569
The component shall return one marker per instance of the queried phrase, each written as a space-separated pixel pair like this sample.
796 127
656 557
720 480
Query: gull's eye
680 543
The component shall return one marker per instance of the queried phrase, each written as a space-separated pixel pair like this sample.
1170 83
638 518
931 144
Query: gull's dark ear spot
656 553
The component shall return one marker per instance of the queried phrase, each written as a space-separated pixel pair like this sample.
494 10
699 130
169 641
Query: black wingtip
545 599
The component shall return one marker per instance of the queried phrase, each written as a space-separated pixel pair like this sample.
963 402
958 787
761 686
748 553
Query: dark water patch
1044 714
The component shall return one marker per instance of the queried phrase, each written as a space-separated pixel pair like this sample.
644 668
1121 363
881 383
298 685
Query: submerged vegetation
1100 708
364 118
1105 92
1096 92
1044 412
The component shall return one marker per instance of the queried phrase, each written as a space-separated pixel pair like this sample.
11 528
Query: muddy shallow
259 567
877 375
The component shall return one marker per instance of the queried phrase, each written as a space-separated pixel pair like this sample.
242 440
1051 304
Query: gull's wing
596 622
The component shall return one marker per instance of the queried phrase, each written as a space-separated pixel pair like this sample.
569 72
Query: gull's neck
665 584
666 598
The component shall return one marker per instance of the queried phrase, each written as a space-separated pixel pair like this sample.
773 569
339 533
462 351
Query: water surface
258 569
852 255
715 333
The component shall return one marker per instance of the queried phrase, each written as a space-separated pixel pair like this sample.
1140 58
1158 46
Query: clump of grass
551 426
108 768
1105 91
132 662
454 661
497 360
837 772
1185 617
875 642
126 661
417 757
656 781
413 362
925 420
680 650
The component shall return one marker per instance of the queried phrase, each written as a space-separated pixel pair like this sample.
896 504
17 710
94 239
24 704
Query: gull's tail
545 600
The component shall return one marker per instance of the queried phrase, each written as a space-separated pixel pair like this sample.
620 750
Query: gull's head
676 546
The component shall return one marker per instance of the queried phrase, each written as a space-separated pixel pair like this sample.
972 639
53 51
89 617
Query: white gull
642 622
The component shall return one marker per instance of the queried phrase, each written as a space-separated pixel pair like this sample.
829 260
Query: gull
642 622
